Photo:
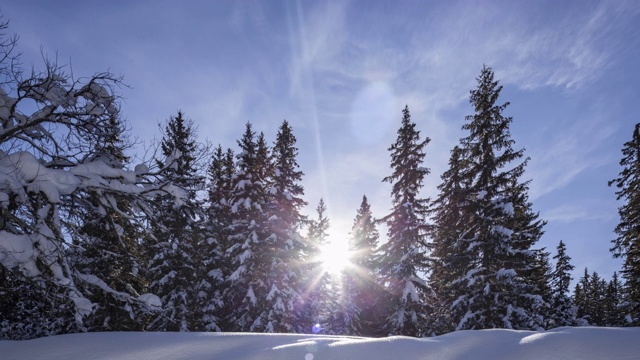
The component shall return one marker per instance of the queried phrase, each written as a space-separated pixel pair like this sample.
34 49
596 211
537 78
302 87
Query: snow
509 273
15 250
151 300
585 343
23 168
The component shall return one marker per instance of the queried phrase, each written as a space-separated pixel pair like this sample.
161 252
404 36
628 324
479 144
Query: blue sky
341 72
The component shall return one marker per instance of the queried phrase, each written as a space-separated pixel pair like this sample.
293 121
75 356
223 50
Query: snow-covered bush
65 191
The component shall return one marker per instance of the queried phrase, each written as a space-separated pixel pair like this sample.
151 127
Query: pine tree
563 309
627 244
403 257
497 284
174 265
360 279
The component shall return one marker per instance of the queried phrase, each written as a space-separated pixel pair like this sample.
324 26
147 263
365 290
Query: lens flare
334 257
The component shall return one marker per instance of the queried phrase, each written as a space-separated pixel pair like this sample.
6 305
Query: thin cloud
586 211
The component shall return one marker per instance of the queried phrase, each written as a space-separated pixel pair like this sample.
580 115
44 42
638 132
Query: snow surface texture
562 343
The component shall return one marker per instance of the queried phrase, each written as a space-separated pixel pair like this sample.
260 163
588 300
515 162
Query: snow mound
562 343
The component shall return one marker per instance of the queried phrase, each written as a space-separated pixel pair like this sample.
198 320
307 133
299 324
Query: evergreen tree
598 287
614 314
582 299
175 261
540 279
449 246
403 257
563 309
218 220
247 283
283 245
65 182
107 244
627 244
590 299
360 279
496 285
316 294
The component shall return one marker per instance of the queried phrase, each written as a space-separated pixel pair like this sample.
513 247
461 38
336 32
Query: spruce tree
563 310
107 243
218 220
283 244
361 290
590 299
403 258
497 285
249 259
69 130
175 253
598 288
582 298
316 287
627 244
540 278
449 255
614 312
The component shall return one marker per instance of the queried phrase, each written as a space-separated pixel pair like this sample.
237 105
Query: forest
195 238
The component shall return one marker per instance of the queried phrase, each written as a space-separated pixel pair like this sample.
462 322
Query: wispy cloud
586 211
569 153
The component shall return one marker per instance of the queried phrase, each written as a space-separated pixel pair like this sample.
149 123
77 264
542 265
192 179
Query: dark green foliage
614 309
627 244
600 303
563 312
249 261
106 245
218 221
403 257
175 251
449 252
484 243
283 245
32 308
361 290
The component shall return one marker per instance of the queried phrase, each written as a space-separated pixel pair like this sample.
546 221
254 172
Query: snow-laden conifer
174 268
283 244
246 283
403 260
218 220
361 290
563 311
627 244
496 283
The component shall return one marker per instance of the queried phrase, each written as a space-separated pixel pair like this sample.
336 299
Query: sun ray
335 257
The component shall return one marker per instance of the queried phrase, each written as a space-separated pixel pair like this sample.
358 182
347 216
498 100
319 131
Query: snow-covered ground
563 343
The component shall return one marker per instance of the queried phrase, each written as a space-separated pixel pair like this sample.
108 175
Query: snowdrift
562 343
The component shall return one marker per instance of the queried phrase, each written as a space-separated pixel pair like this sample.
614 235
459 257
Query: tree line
89 241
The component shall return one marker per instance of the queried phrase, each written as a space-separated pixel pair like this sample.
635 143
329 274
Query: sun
334 257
